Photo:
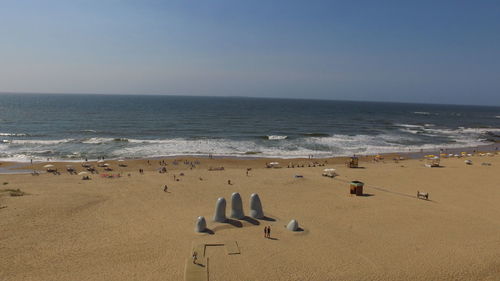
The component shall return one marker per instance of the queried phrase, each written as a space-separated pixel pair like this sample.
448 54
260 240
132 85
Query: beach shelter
329 173
432 162
85 175
48 166
274 164
353 162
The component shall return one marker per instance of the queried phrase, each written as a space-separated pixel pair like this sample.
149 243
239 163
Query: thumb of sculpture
201 225
293 225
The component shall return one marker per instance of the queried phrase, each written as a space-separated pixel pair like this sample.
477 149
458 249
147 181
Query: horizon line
228 96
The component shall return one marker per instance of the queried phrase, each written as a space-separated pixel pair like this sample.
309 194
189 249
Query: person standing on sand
269 231
165 188
195 257
265 231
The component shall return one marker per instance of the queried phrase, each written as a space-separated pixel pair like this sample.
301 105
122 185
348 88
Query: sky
403 51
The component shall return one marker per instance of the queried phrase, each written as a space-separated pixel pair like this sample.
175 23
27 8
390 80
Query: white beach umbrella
48 166
105 164
121 160
100 161
83 173
274 163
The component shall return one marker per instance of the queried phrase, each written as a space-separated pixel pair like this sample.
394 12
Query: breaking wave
13 135
276 137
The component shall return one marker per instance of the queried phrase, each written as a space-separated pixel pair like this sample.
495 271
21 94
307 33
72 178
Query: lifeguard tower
353 162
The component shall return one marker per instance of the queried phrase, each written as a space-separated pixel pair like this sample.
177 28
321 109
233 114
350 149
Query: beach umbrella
274 163
100 161
105 164
121 160
48 166
83 173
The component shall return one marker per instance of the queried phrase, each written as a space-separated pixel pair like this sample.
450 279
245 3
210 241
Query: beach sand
128 228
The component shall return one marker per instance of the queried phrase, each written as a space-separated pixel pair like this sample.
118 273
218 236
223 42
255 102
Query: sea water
73 127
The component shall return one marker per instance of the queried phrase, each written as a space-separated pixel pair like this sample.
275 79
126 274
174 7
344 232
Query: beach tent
274 164
329 173
432 162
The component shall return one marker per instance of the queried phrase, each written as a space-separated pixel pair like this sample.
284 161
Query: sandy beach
128 228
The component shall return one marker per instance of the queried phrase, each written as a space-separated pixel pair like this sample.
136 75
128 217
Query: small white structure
201 225
236 206
273 165
220 210
256 207
329 173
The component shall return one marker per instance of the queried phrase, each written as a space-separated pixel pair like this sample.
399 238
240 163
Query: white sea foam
13 134
102 140
421 112
276 137
41 142
408 125
324 146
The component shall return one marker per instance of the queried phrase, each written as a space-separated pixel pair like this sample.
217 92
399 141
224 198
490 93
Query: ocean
74 127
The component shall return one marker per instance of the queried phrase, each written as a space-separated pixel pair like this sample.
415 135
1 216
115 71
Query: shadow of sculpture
251 220
266 218
235 223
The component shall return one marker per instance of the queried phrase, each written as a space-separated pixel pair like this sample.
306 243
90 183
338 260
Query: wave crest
276 137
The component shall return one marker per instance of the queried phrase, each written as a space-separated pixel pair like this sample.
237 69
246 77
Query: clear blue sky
414 51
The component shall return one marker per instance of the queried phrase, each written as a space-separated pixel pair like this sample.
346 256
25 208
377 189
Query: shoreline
20 167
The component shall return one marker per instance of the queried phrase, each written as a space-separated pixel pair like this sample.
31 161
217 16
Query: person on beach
269 231
195 257
265 231
165 188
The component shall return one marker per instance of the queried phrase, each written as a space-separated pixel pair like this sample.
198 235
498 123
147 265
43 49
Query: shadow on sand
266 218
234 223
251 220
366 195
208 231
